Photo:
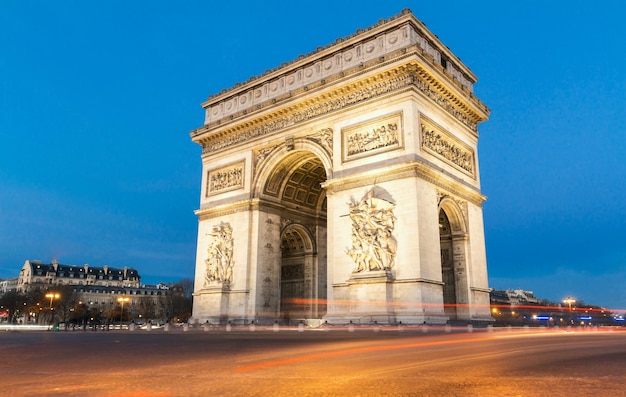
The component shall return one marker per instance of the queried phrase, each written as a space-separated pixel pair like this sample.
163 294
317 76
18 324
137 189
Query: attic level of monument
360 47
223 133
345 186
399 48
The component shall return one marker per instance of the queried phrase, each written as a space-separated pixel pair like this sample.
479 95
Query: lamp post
122 300
569 301
51 296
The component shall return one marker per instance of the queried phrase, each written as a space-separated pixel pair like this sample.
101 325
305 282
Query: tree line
63 304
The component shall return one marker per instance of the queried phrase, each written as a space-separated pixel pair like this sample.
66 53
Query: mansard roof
65 270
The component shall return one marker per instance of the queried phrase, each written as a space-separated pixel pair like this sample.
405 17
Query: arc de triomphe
344 186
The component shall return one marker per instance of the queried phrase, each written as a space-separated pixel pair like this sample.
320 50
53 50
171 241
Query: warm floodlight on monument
349 180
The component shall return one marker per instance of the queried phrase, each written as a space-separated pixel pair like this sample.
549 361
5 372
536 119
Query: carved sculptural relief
372 137
225 178
373 244
447 148
219 263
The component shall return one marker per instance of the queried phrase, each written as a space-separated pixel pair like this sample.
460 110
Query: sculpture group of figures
219 263
373 139
373 244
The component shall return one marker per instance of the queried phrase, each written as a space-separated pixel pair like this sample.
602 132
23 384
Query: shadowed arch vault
297 181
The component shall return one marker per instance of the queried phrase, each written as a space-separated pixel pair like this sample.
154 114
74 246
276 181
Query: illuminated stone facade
348 185
36 273
98 287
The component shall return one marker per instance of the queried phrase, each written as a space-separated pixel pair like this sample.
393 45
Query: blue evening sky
97 100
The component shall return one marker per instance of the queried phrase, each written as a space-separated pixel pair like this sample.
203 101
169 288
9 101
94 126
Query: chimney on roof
55 264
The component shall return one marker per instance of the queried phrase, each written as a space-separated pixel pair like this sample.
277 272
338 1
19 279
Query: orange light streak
305 301
319 356
144 393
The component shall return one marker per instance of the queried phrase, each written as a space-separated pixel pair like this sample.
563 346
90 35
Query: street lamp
122 300
569 301
52 296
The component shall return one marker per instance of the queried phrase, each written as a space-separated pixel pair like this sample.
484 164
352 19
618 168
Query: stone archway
295 181
292 188
447 266
452 238
287 155
297 257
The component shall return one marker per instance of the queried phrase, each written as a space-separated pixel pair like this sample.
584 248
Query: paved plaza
420 361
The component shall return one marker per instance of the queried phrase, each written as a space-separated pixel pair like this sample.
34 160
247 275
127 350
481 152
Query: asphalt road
367 362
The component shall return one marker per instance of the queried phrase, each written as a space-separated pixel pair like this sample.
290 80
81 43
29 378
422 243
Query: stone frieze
372 137
444 146
400 81
225 178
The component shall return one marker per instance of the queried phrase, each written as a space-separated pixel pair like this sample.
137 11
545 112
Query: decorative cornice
255 205
283 118
226 209
417 280
478 289
418 169
399 78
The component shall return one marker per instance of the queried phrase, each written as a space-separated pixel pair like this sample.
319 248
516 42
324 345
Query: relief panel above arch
372 137
444 146
225 178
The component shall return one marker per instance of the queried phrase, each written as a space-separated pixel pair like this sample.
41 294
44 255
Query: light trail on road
367 362
345 352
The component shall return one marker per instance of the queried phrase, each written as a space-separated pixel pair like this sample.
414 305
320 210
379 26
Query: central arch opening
295 186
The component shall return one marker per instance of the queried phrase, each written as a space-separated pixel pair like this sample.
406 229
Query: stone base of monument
376 298
370 294
364 300
215 299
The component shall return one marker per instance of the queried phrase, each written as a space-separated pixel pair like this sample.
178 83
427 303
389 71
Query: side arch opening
452 238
